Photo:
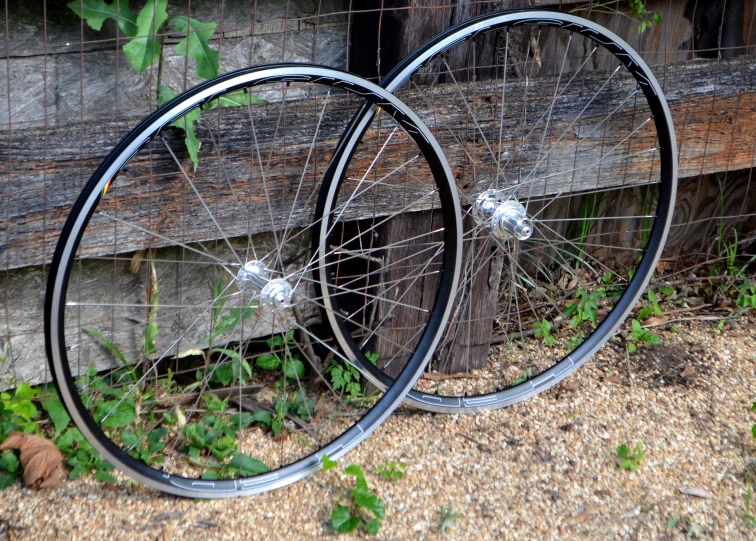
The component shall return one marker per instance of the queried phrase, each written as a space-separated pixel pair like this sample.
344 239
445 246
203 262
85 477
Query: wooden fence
67 95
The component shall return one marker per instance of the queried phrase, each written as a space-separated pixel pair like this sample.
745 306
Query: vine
144 48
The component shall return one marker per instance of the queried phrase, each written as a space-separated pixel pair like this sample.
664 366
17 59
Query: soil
543 469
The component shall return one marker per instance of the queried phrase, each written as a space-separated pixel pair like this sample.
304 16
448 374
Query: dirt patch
672 364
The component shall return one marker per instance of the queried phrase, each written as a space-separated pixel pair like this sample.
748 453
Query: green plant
639 336
637 11
543 331
391 470
746 296
651 308
584 307
746 513
448 516
630 459
143 48
359 508
345 378
82 457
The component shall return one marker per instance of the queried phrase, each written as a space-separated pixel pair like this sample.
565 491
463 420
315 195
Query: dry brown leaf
612 379
654 321
698 492
40 458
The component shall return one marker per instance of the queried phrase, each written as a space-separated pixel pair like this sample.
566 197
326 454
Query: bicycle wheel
183 309
564 155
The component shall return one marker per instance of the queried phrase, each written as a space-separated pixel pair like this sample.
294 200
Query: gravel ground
543 469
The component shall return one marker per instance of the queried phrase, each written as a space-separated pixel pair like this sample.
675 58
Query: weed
639 336
391 470
651 308
746 296
359 508
143 48
584 307
543 331
448 516
746 513
345 378
630 459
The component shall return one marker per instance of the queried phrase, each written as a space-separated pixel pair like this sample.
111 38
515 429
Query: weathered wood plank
44 170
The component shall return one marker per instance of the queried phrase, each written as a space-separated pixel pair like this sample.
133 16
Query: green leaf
240 421
268 361
114 415
628 464
355 471
96 12
343 521
294 369
262 417
105 477
129 438
143 49
667 290
373 526
247 465
24 409
753 431
234 99
210 475
623 451
636 325
24 391
9 462
329 464
195 45
58 414
107 344
364 498
224 374
7 479
671 523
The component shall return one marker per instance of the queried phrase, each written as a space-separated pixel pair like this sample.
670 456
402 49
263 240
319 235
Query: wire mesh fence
72 86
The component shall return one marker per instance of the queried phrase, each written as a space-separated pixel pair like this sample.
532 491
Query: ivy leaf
7 479
234 99
343 521
58 414
186 123
328 463
262 417
294 369
9 462
24 391
195 45
373 526
114 415
143 49
224 374
96 12
268 361
364 498
355 471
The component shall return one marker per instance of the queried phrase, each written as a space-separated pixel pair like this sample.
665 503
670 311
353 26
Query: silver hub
503 215
255 278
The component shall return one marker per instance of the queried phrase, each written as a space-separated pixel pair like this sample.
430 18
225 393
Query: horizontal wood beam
713 103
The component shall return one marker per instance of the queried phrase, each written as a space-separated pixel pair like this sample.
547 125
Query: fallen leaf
282 436
698 492
612 379
40 459
654 321
577 519
570 387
